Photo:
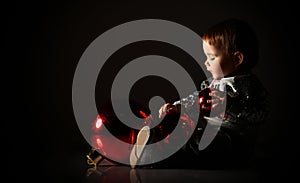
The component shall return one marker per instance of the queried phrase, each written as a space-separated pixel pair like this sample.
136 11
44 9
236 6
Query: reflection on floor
124 174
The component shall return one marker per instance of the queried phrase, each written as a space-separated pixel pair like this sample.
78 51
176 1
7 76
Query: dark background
45 41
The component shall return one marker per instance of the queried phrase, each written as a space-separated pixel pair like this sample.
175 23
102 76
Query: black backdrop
45 41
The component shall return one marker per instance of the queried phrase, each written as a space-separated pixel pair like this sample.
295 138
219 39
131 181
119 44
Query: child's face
218 63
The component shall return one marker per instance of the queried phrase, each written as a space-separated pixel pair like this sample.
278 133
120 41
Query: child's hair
233 35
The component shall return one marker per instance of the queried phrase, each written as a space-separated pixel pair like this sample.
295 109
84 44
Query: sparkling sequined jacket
247 107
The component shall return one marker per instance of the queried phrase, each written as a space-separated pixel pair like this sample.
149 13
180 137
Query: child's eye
210 57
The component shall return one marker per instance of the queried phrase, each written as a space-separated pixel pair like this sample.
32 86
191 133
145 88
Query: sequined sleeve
190 100
249 108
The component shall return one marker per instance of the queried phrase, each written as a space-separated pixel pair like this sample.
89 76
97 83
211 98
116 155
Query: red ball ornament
204 106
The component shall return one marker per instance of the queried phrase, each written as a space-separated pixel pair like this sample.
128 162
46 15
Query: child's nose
206 63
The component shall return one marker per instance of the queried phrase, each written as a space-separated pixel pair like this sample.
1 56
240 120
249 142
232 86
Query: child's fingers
162 110
213 101
216 93
166 109
161 114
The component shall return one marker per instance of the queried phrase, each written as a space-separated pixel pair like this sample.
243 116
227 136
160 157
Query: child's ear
238 58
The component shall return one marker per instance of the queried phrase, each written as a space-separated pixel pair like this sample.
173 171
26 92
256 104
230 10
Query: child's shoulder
250 84
247 79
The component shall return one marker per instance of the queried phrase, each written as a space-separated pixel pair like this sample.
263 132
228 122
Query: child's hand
218 98
167 109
